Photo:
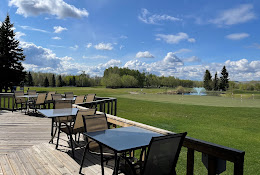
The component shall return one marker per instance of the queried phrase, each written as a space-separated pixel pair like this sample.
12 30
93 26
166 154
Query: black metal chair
92 123
20 100
74 128
68 94
40 101
161 159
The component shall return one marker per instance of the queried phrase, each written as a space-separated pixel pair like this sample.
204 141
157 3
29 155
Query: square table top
27 96
50 113
123 139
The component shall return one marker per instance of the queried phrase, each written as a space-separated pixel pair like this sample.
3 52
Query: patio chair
161 159
68 94
20 100
80 99
75 128
92 123
31 92
90 97
40 101
49 98
56 97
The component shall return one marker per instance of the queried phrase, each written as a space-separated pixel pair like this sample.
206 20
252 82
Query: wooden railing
103 104
213 151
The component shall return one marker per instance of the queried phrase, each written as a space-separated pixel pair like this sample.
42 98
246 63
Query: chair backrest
97 122
90 97
162 155
68 94
49 96
79 120
19 99
80 99
56 97
60 104
41 98
31 92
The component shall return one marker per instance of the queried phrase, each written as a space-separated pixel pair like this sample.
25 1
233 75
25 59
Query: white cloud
33 29
175 39
104 46
149 18
95 57
144 54
123 37
75 47
237 36
182 51
240 14
58 8
59 29
121 47
192 59
18 35
88 45
56 38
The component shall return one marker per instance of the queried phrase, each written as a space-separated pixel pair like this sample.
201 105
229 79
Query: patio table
120 140
53 113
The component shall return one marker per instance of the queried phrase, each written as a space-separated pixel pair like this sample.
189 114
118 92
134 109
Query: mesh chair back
19 99
56 97
90 97
79 120
80 99
68 94
41 98
61 104
163 153
31 92
49 96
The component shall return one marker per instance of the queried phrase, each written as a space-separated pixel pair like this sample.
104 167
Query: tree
73 81
223 85
60 82
207 82
215 82
46 82
29 79
11 57
53 81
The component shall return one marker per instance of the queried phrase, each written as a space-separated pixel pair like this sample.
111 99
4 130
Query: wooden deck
24 149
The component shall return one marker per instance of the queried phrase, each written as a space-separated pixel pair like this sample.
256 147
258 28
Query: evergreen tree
215 82
29 79
60 82
11 55
207 82
46 82
53 81
224 79
73 81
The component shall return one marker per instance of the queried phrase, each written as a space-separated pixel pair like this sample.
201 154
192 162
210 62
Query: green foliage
215 82
53 81
223 85
11 57
207 82
129 81
46 82
180 90
29 81
112 80
60 81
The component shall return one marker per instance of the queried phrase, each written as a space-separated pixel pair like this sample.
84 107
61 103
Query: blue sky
170 37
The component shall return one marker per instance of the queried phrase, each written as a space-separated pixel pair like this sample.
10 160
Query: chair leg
83 158
57 144
72 147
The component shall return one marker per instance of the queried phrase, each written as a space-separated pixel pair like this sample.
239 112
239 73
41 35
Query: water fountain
198 91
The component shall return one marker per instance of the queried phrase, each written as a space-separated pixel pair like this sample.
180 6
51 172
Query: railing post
108 106
239 166
190 161
212 165
115 106
112 109
8 101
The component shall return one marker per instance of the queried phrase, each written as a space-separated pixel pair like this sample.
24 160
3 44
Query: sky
166 38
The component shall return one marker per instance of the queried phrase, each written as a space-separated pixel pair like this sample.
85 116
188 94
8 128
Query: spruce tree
223 85
73 81
207 82
11 57
29 79
60 82
53 81
46 82
215 82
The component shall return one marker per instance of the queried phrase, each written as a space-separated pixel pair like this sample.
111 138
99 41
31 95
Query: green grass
221 120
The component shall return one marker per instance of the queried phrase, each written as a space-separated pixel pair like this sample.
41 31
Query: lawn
222 120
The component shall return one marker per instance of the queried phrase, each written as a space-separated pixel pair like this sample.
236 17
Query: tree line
115 77
216 84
